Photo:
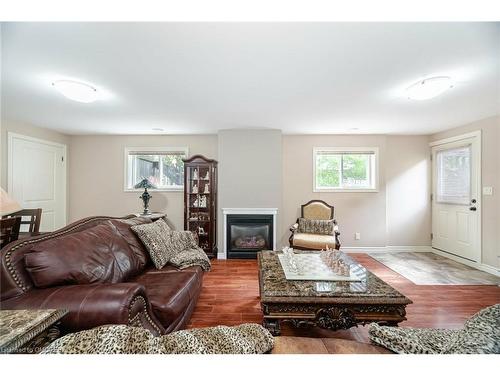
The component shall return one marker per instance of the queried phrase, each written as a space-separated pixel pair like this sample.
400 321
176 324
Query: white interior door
456 199
37 178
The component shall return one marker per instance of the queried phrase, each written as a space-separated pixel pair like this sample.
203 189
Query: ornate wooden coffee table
327 304
28 331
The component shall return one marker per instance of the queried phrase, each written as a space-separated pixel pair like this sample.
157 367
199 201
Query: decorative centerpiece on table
333 259
145 196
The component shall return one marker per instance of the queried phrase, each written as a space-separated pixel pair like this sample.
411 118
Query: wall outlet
487 190
357 236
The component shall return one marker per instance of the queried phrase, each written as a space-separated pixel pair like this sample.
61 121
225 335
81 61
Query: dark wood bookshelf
200 201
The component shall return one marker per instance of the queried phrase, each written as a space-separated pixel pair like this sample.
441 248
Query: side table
153 216
28 331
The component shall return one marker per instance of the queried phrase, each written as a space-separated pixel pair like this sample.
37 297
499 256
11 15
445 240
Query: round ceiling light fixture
77 91
429 88
158 129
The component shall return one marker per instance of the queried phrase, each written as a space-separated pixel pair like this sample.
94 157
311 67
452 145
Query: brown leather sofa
99 271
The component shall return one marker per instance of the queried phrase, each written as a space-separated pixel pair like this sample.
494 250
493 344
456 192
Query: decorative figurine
196 203
145 196
194 190
207 189
201 230
203 201
332 259
195 174
206 176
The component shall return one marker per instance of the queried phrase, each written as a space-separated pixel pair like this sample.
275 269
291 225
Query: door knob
472 208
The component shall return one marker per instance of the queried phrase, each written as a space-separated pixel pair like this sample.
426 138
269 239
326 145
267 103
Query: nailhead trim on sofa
135 321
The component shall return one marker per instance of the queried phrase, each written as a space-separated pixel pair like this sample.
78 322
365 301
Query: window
162 166
454 176
345 169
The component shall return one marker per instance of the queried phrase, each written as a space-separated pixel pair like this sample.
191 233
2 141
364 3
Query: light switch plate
357 236
487 190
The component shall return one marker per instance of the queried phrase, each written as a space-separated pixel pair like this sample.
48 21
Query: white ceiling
202 77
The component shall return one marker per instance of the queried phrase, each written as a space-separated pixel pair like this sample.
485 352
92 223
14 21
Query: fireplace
247 234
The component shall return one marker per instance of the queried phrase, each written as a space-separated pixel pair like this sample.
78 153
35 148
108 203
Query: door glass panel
454 176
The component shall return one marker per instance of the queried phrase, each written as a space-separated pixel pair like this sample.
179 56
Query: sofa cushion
313 241
316 226
157 239
124 228
170 292
95 255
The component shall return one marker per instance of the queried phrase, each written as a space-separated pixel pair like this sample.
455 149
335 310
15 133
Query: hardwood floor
230 296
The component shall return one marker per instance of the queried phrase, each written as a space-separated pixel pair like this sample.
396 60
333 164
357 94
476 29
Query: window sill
180 189
345 190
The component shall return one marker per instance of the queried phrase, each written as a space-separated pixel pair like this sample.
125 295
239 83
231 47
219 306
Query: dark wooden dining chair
9 230
34 216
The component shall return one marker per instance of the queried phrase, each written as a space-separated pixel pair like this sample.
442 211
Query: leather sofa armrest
92 305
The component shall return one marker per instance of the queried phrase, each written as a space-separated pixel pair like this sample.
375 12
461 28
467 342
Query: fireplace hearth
247 234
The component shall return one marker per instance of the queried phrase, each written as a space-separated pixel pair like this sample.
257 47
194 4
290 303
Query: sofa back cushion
96 255
316 226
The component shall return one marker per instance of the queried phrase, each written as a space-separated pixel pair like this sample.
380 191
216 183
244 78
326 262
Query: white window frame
147 149
374 169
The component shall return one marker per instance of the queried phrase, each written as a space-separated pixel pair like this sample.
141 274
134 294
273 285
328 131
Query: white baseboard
386 249
480 266
221 256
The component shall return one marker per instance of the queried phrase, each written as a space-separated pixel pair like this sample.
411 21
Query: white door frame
477 164
10 139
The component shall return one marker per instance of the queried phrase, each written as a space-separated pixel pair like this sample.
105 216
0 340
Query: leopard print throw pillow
157 239
316 226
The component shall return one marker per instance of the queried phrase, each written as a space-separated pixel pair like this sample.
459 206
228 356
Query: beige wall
408 189
490 171
403 183
250 172
97 167
397 215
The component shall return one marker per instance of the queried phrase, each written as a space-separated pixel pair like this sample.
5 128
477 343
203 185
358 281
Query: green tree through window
343 170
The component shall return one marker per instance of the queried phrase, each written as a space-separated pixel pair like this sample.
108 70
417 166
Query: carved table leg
54 332
273 326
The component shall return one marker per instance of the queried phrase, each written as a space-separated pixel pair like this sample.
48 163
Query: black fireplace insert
248 234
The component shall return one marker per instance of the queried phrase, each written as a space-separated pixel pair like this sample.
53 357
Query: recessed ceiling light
158 129
353 128
77 91
429 88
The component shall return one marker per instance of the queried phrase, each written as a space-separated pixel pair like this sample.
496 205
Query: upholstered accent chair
316 229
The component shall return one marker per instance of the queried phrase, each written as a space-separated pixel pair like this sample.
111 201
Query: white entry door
456 196
37 178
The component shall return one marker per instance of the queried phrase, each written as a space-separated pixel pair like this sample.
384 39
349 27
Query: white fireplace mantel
247 211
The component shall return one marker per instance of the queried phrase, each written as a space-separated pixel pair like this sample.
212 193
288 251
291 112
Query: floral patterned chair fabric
316 229
480 335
